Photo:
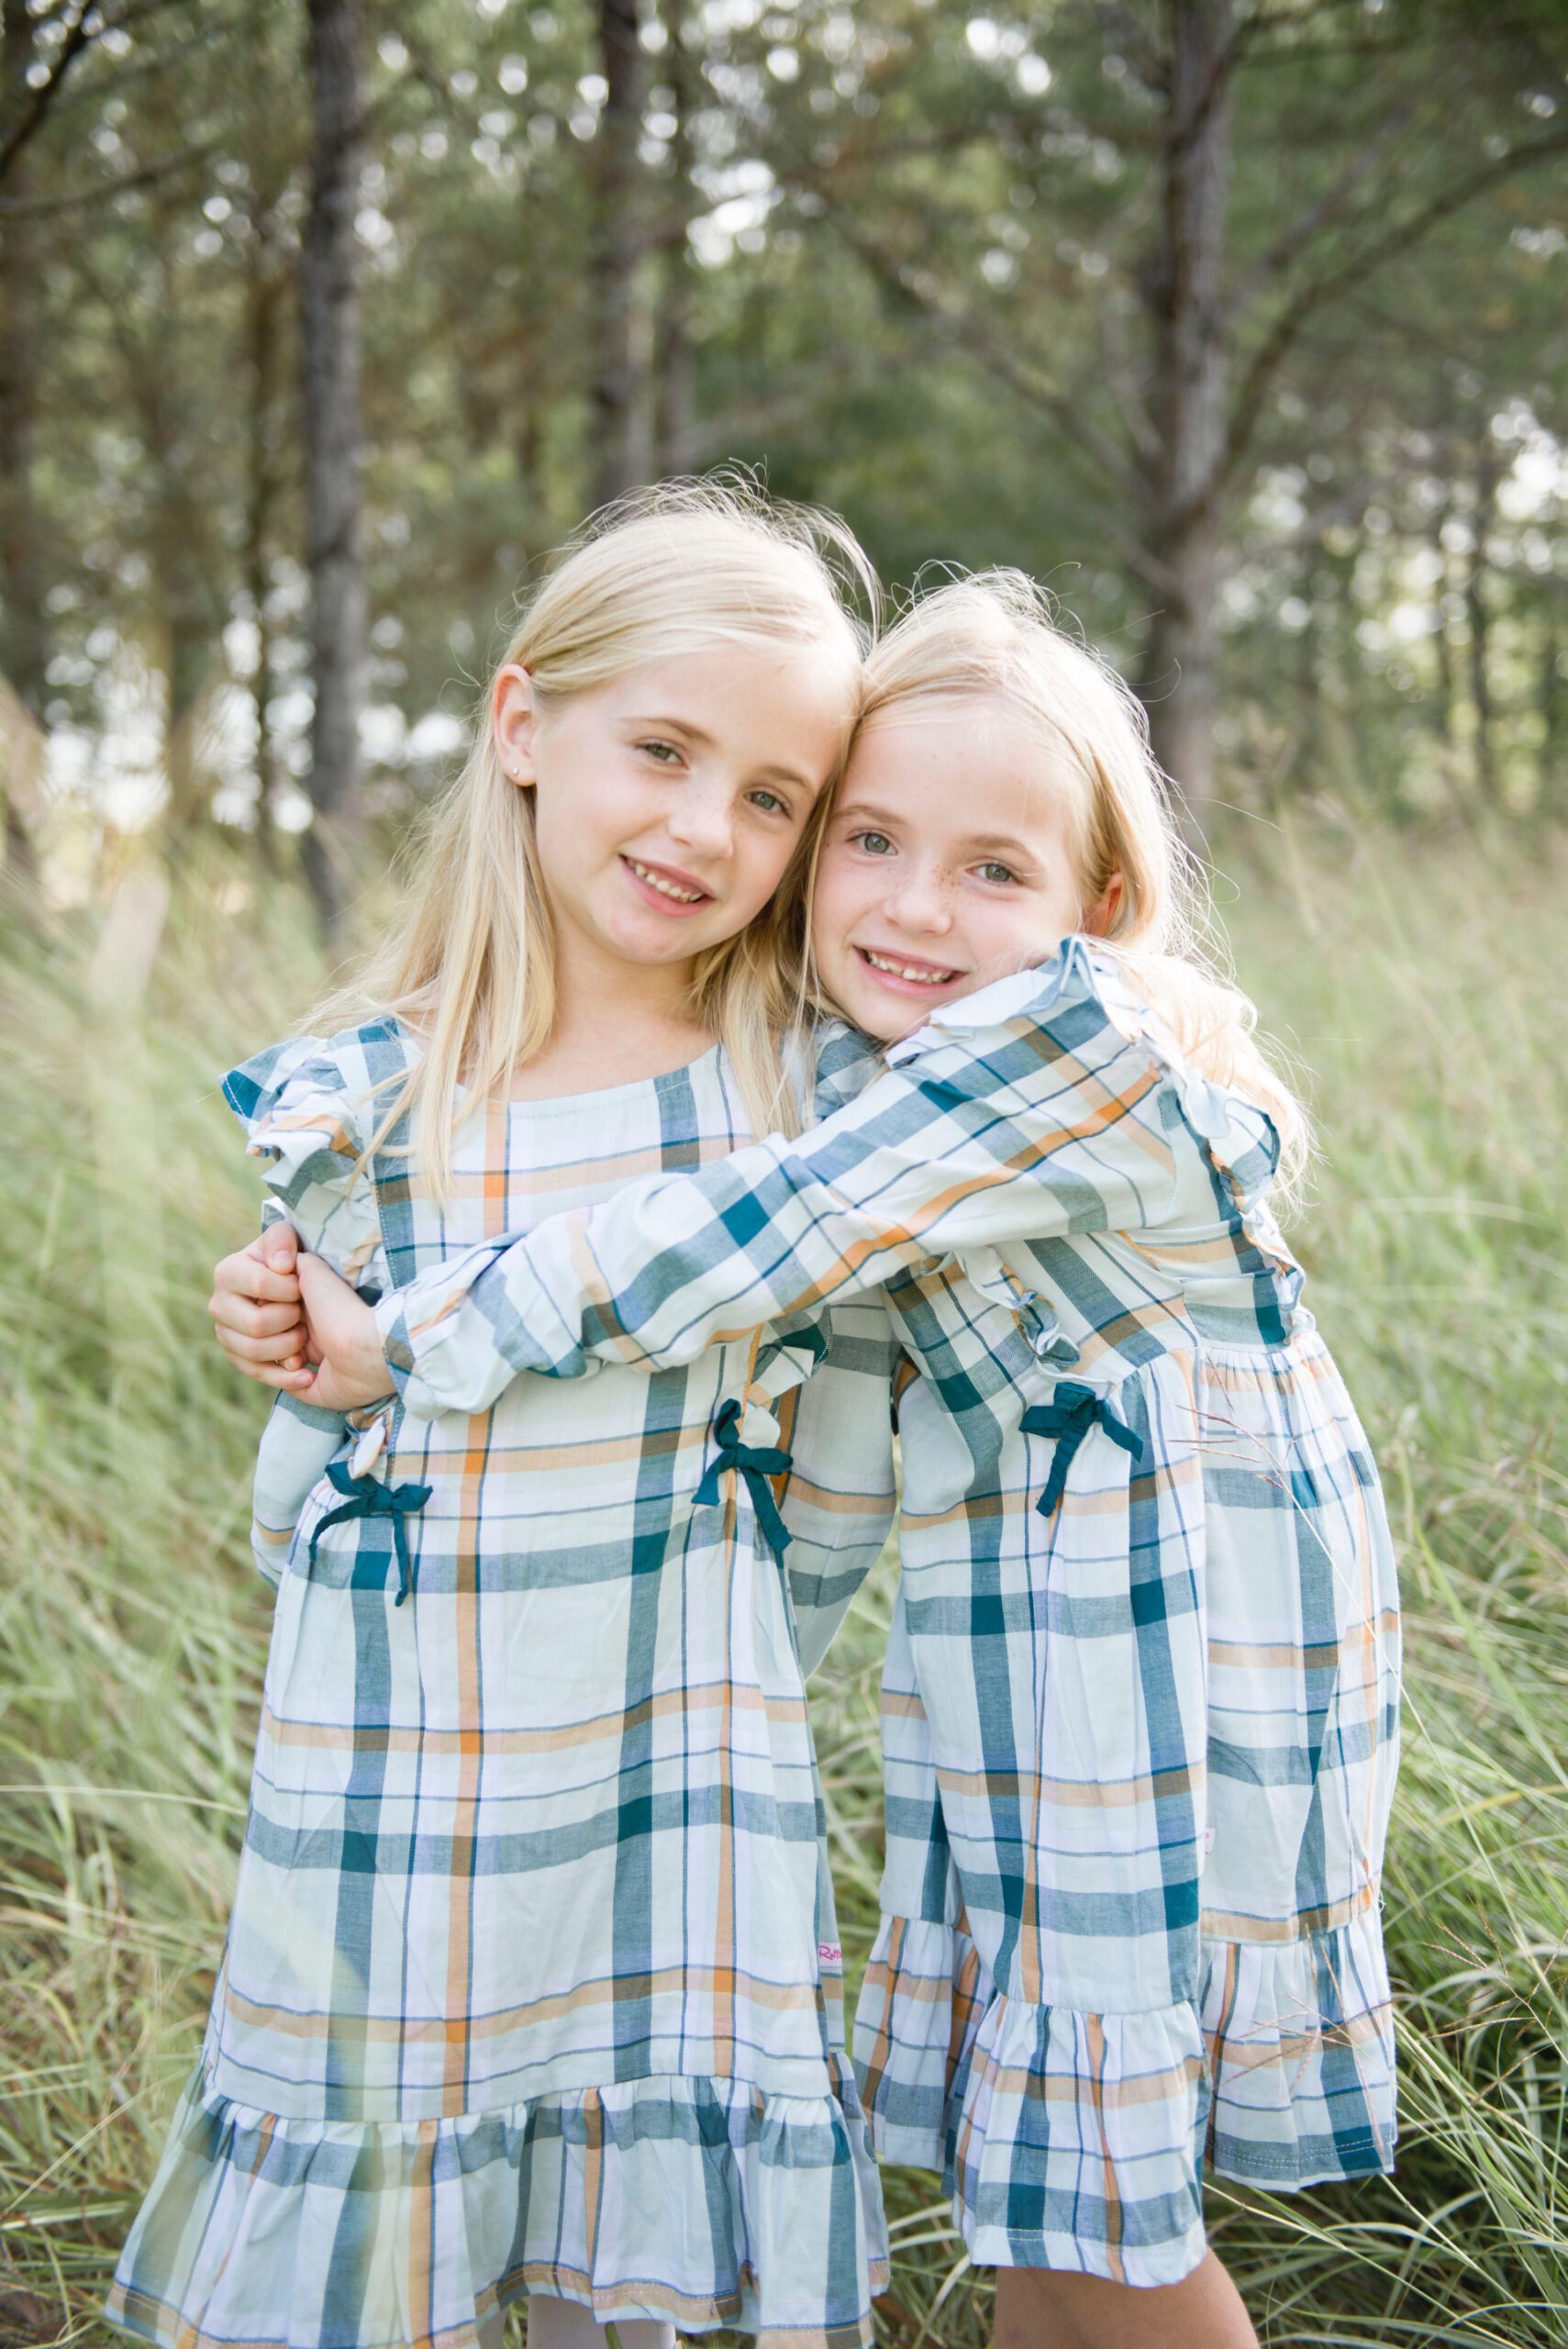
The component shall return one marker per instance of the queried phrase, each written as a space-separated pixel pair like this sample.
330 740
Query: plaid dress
1142 1701
533 1981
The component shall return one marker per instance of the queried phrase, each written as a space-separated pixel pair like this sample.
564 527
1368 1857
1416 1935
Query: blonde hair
995 635
471 964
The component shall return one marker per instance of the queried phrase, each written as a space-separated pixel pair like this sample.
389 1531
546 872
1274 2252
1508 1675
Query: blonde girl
1140 1708
532 1984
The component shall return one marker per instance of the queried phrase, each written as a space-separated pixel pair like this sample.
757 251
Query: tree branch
164 167
35 105
957 323
82 35
962 329
1308 223
1288 326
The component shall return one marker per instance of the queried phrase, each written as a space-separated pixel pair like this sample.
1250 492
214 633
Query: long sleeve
841 1495
1023 1112
297 1445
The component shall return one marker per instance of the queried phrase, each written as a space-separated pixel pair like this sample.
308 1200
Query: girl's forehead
728 675
963 745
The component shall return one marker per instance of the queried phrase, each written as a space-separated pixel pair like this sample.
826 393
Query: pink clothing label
829 1954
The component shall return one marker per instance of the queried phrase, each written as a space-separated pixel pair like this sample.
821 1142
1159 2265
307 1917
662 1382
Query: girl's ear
1099 919
514 711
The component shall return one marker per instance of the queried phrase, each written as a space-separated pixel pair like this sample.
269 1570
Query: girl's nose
703 820
921 905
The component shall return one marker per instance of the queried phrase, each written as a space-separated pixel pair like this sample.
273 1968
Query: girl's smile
672 893
898 971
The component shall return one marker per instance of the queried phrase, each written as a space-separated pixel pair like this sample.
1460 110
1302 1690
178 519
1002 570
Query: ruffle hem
696 2202
1075 2141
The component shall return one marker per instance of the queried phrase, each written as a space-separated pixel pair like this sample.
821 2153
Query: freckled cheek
838 905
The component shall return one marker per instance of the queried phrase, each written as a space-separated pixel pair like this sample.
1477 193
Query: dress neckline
563 1104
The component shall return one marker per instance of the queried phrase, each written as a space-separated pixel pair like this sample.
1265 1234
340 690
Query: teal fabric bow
368 1498
1069 1416
756 1462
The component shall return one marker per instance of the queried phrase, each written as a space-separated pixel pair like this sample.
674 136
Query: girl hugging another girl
1140 1699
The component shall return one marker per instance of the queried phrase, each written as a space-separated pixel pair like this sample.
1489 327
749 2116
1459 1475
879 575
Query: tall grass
1424 989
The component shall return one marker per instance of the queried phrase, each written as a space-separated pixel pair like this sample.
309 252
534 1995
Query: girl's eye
770 803
992 871
874 843
662 753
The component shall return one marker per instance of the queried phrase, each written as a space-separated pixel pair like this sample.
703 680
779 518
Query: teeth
921 976
666 888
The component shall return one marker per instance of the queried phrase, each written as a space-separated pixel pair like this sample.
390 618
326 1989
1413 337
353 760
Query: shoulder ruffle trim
1239 1137
308 1082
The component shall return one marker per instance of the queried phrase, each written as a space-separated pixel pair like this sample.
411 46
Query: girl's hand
344 1342
255 1305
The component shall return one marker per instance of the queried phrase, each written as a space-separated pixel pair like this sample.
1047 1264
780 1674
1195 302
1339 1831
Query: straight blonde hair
994 636
471 966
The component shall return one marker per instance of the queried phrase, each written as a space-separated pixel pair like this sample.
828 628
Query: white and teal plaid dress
533 1981
1141 1699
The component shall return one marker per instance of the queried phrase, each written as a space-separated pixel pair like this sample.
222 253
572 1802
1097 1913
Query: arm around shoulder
1024 1112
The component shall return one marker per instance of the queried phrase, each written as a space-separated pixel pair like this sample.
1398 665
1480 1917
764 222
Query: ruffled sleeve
1034 1108
307 1112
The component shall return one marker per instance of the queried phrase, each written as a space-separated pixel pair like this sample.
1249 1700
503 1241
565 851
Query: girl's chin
885 1022
650 939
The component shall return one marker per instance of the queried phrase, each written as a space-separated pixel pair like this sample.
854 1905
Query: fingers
280 1247
241 1318
257 1358
247 1273
283 1382
278 1352
255 1305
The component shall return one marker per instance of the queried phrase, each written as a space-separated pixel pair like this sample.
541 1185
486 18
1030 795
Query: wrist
391 1335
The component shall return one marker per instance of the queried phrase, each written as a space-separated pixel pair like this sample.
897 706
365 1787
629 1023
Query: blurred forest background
1243 323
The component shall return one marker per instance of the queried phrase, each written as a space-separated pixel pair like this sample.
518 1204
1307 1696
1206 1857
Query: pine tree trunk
263 292
617 407
187 668
1479 615
1184 291
1551 783
330 395
1443 649
675 373
24 646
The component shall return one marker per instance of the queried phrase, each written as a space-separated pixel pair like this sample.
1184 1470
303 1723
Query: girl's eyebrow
865 808
988 841
706 742
973 843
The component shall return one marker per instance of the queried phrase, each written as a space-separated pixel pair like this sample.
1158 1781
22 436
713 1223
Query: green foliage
1425 991
921 271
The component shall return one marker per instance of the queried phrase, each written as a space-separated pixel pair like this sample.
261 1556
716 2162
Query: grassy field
1424 988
